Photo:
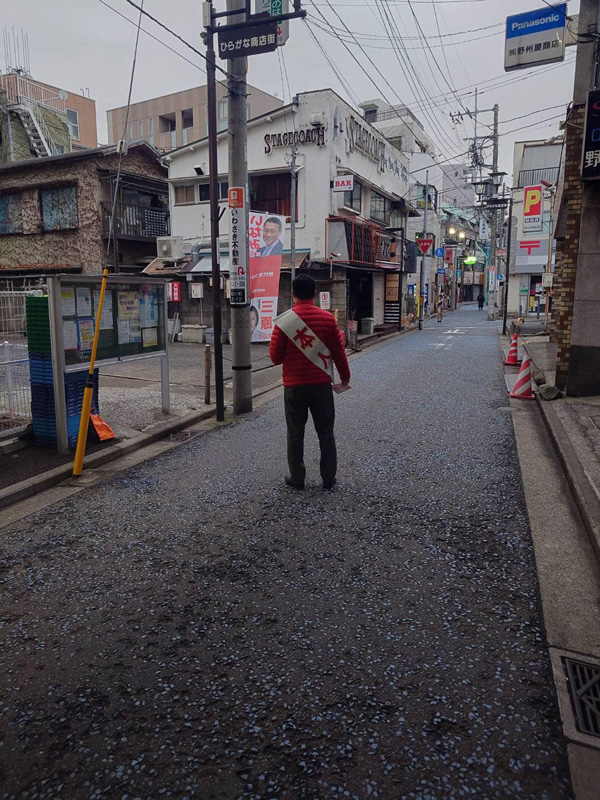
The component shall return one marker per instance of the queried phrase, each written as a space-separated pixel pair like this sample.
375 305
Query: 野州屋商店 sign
535 37
287 139
590 162
343 183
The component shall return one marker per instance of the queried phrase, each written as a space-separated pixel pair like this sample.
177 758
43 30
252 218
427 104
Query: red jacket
297 368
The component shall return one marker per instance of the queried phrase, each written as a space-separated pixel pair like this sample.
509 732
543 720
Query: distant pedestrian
307 341
480 301
440 308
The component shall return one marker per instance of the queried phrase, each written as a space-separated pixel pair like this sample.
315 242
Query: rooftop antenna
16 52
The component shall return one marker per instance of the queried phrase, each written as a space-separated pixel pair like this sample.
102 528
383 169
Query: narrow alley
194 628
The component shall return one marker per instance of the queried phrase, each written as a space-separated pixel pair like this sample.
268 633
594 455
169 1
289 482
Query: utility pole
506 280
293 215
214 210
494 220
241 356
422 274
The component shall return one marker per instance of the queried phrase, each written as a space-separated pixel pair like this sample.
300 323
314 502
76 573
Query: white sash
305 340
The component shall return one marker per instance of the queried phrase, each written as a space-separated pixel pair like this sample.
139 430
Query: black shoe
293 483
329 486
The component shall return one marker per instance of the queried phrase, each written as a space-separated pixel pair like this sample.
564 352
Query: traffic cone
512 359
522 388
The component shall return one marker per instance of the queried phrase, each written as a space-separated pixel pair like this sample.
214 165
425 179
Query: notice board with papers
132 323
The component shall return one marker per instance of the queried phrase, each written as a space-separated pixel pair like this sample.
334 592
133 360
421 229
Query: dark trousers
299 400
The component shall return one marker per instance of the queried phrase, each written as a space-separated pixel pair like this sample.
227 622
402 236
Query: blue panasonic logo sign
533 22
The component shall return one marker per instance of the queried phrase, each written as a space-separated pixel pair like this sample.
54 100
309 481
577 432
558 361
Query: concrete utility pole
422 274
494 220
293 215
507 278
241 356
211 97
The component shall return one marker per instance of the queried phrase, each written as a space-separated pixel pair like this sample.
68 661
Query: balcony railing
136 222
21 90
531 177
357 242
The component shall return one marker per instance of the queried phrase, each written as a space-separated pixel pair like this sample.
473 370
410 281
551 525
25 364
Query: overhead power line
176 35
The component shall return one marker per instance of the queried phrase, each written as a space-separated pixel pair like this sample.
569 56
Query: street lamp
452 231
462 235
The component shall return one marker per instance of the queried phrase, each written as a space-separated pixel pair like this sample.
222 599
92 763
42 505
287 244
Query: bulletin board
132 324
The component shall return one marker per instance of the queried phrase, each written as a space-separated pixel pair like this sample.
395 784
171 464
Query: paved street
194 628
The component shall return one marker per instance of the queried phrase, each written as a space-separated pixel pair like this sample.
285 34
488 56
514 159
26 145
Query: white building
341 236
535 163
406 133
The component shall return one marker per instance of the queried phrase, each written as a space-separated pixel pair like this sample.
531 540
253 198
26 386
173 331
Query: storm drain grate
584 685
182 436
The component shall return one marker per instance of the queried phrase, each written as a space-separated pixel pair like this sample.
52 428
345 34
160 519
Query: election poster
266 238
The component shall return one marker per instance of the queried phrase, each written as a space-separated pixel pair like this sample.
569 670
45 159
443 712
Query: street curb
39 483
585 497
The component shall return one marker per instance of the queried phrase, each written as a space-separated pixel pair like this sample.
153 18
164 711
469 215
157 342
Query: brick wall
567 249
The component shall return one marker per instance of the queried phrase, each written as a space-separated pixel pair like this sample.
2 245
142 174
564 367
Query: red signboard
174 292
424 244
449 255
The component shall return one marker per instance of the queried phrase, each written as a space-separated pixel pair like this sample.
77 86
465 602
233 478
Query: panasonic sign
535 38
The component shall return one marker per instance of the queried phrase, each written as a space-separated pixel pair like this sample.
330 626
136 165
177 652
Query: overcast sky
79 44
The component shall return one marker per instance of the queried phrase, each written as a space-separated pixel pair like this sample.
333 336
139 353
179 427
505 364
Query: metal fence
15 393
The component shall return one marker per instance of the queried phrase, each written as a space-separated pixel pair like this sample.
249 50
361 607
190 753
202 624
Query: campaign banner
266 236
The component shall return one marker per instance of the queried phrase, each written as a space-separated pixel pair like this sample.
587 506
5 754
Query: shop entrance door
360 295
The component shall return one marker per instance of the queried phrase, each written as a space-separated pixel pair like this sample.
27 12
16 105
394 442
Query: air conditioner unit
317 120
170 248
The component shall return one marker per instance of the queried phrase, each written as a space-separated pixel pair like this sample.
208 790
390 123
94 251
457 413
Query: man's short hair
275 220
304 287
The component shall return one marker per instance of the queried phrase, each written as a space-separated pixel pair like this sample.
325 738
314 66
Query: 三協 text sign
535 37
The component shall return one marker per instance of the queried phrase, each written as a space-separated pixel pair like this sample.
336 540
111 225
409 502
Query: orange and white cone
522 389
512 359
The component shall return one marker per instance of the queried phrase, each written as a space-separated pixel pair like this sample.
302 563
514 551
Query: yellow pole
89 387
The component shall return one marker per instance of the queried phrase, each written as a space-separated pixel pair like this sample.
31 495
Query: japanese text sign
238 251
532 209
590 166
535 37
424 245
274 8
260 38
266 235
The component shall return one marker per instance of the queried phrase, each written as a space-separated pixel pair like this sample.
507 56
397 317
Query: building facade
174 120
55 212
535 164
340 236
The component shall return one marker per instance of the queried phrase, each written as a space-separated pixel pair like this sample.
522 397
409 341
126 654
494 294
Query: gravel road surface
193 628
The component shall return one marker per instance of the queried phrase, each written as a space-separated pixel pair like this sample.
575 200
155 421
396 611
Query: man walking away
306 340
480 301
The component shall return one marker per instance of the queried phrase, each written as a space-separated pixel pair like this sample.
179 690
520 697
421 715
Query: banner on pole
266 236
238 270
